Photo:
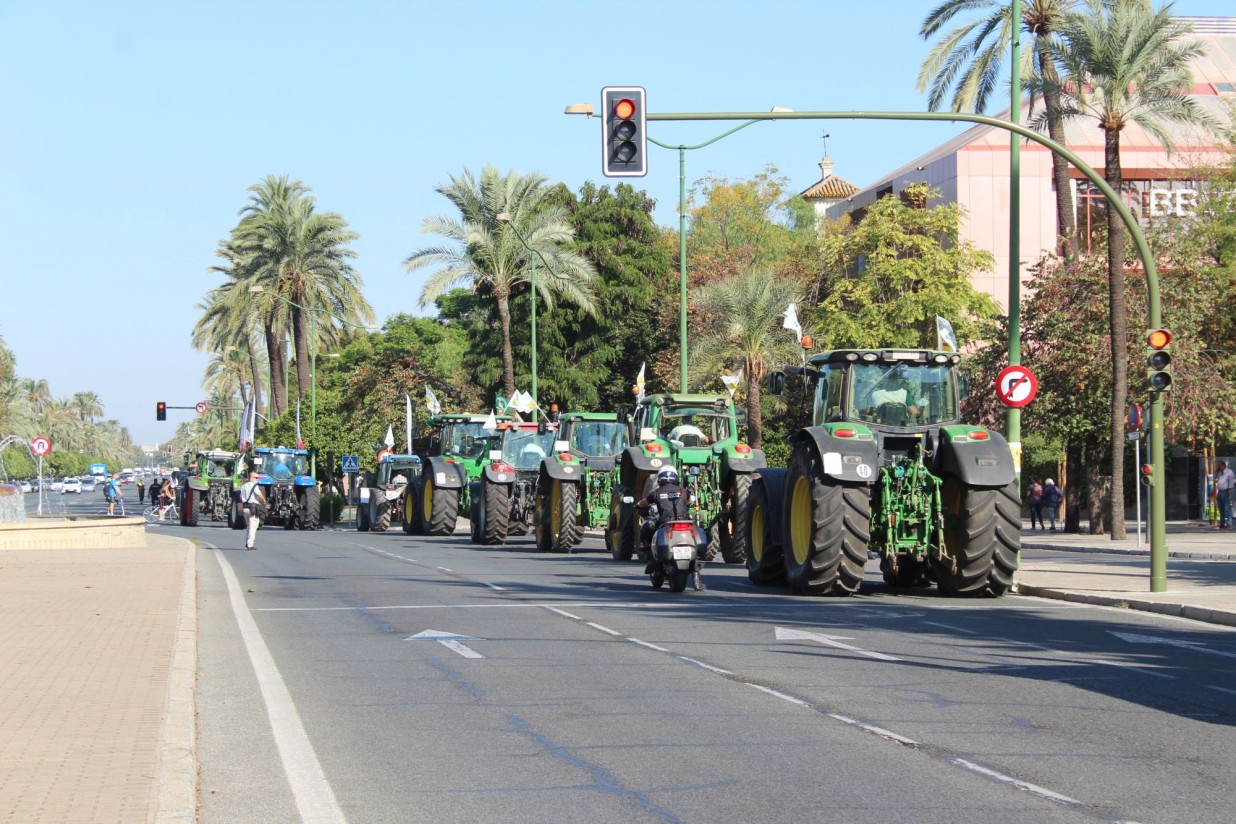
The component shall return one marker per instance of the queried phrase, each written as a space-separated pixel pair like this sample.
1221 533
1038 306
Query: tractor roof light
979 435
742 449
652 447
845 433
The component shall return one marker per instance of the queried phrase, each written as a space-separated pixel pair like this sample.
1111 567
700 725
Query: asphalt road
563 688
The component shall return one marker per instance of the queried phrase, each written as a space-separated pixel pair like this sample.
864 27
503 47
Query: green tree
1124 63
744 327
968 59
489 256
887 277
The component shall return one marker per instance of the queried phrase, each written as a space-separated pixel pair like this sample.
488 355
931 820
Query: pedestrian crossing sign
351 464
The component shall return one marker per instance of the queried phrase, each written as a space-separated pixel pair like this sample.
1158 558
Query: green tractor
887 466
698 436
452 457
577 479
208 491
384 501
502 498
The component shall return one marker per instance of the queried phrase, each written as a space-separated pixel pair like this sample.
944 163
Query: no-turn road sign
201 407
1016 386
40 446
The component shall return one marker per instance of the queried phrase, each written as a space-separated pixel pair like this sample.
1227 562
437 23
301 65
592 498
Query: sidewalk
1201 571
98 663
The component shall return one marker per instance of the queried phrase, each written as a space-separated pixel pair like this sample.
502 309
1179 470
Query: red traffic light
160 411
624 109
1159 338
1147 469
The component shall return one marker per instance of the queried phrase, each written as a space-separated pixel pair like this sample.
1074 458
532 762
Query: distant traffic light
1159 360
625 143
1147 474
161 411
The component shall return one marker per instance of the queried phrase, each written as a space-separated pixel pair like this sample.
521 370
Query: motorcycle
675 553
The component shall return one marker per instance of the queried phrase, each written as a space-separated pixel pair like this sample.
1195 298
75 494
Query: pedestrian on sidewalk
1036 504
112 493
1052 496
254 499
1225 481
141 491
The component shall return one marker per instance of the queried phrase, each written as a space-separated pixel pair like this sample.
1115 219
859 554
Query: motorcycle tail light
742 449
682 528
979 435
653 447
844 433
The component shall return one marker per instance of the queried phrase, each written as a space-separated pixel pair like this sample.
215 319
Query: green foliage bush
332 507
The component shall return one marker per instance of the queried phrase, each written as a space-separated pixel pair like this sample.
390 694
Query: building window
1152 201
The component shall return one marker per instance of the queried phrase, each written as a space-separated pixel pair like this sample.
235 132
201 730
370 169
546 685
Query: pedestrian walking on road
1036 504
1052 496
141 491
112 493
1225 481
254 499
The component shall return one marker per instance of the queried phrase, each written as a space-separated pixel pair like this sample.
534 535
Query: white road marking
776 694
444 569
952 629
1008 779
1067 658
603 629
708 667
784 634
646 644
450 640
880 731
1221 689
466 652
564 613
496 588
1192 646
315 800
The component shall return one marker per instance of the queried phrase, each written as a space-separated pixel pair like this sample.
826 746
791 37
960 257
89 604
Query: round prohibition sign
201 407
1016 386
40 446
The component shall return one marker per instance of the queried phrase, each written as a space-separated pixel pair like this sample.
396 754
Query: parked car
57 485
71 485
26 486
89 485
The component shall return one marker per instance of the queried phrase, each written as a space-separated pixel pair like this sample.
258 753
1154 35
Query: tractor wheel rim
427 502
800 519
756 539
555 512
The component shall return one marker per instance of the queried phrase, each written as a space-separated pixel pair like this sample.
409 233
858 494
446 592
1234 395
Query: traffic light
1147 474
1159 360
624 141
161 411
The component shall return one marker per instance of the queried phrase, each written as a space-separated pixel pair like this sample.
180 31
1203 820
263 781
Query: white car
26 486
89 485
71 485
57 485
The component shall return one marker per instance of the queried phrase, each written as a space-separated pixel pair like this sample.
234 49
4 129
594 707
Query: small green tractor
383 502
577 478
452 457
503 497
698 436
209 490
292 497
887 466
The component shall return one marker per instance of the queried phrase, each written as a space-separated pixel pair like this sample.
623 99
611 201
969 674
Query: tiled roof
830 188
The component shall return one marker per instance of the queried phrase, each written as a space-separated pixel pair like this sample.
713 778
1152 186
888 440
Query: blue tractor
291 493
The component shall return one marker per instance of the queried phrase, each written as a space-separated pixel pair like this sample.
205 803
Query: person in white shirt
1225 480
254 501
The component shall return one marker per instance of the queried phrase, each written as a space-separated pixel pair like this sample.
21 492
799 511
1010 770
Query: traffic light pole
1158 496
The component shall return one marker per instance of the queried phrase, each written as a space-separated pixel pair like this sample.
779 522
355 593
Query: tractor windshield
282 465
902 394
218 468
524 448
694 426
598 439
468 440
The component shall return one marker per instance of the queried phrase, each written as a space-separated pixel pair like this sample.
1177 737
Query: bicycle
162 515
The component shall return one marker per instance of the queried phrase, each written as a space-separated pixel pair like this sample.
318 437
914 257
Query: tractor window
694 427
902 394
828 396
524 448
598 439
469 440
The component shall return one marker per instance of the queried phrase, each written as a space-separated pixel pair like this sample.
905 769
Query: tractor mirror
776 383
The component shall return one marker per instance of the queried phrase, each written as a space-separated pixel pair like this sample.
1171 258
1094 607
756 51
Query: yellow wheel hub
757 533
555 512
800 519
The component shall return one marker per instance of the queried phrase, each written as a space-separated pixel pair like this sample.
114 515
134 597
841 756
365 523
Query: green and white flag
946 338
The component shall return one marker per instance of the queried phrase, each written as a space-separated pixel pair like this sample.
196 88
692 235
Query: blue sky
133 129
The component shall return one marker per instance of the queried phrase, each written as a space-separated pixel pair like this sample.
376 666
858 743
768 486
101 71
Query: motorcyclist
672 503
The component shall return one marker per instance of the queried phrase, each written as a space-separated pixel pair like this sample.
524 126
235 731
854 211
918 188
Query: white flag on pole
791 321
389 440
731 381
244 427
638 388
946 338
522 401
407 426
431 401
300 442
491 423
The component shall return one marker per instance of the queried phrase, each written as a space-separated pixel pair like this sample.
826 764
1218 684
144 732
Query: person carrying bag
254 501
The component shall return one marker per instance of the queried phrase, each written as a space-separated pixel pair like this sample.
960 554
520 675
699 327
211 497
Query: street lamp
313 361
586 110
505 219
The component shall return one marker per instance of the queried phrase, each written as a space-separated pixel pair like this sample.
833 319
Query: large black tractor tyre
765 557
309 508
826 526
734 543
439 508
188 513
411 521
557 527
362 517
381 512
621 534
476 515
495 509
982 534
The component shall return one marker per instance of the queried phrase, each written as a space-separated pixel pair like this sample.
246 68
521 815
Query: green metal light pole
1014 334
1158 497
505 218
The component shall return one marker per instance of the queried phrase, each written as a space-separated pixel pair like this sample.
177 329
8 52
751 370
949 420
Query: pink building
972 170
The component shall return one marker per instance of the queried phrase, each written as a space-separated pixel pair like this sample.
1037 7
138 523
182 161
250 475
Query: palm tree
490 256
983 43
230 321
743 320
87 405
1124 63
291 250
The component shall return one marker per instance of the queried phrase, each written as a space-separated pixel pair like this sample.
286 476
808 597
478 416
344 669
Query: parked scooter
675 553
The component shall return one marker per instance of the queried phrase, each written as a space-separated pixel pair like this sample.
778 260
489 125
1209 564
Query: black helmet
667 476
